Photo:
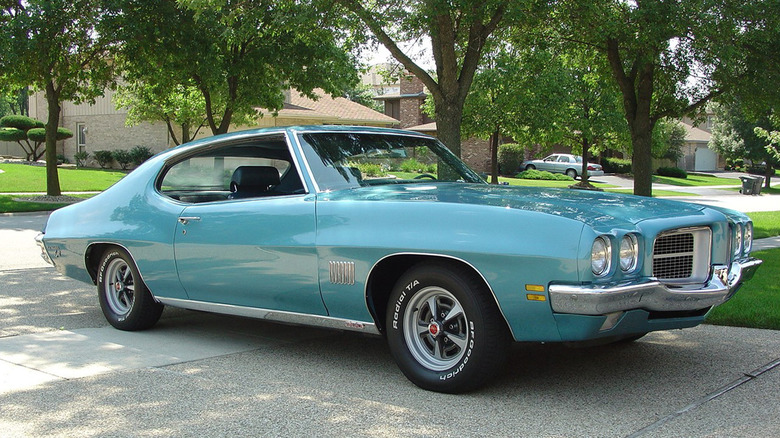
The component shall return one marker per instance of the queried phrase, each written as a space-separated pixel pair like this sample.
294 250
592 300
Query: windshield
345 160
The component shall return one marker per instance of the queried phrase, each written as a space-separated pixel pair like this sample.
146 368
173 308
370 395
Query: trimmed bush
21 122
543 175
12 134
411 166
674 172
122 157
139 154
617 165
510 157
81 158
104 158
39 134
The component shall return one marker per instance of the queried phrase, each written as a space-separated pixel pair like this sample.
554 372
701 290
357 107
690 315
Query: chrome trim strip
495 299
293 138
273 315
290 147
652 294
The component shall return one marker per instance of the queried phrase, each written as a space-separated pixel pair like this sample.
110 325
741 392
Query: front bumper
652 295
42 246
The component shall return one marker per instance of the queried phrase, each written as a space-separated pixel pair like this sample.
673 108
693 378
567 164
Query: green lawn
757 304
656 193
765 224
20 178
697 180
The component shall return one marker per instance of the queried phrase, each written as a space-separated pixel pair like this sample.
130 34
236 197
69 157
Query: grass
697 180
656 193
22 178
765 224
757 304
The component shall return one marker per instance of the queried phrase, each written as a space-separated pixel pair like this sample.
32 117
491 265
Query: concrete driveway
65 372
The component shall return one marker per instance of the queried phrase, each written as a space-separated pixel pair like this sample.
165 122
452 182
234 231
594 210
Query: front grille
681 256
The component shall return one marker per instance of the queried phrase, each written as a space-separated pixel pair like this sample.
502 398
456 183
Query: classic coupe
570 165
317 226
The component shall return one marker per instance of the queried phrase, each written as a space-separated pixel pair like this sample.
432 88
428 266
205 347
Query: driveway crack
746 377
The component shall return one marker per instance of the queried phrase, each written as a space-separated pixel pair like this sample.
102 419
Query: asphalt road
65 372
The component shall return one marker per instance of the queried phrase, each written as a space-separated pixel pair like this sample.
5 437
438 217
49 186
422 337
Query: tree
179 106
29 133
669 58
517 92
54 46
737 133
458 32
240 54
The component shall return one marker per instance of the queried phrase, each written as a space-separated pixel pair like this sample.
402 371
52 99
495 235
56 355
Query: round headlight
600 255
737 239
748 240
629 253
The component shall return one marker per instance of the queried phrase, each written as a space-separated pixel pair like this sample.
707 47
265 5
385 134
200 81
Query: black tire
124 298
459 348
571 173
530 167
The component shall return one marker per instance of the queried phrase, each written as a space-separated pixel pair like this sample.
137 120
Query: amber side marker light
535 297
534 288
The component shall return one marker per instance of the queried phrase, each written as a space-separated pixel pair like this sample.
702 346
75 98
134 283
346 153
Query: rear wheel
444 329
124 298
571 173
530 167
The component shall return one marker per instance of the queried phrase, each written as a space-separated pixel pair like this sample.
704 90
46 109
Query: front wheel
444 329
124 298
530 167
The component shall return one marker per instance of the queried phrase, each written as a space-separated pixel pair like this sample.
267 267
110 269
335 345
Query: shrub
21 122
104 158
510 157
411 165
617 165
39 134
62 159
737 164
81 158
139 154
122 157
432 168
674 172
370 169
543 175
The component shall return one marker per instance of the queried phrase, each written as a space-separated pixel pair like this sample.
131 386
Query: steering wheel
425 175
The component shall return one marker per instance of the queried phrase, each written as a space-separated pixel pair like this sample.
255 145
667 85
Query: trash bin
757 183
747 185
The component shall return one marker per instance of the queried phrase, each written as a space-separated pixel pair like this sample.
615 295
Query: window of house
81 136
393 109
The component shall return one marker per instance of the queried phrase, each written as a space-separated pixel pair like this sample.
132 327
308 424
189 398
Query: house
101 126
406 107
697 155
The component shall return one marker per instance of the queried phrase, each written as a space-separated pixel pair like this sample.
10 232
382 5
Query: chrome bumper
652 294
44 253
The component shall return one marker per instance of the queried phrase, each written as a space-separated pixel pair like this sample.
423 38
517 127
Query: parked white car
568 164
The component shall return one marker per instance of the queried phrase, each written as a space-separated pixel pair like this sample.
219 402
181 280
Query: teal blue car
385 231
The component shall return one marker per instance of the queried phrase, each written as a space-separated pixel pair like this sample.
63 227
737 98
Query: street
65 372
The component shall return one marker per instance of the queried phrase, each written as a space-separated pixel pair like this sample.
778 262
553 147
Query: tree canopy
669 58
240 54
55 46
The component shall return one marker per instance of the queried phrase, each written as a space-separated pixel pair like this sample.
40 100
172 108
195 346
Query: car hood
590 207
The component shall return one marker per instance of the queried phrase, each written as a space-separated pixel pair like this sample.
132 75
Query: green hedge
617 165
674 172
543 175
510 157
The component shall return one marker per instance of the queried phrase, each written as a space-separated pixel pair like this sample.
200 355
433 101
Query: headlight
737 239
629 253
600 256
748 240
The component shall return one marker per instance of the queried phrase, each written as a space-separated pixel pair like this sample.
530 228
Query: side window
259 169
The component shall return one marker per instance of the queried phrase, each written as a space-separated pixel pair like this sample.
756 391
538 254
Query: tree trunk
494 156
448 119
584 173
52 177
770 170
642 159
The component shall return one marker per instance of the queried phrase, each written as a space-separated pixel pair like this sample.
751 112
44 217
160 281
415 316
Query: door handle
186 219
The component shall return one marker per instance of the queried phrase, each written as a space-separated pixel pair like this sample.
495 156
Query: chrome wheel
119 287
436 329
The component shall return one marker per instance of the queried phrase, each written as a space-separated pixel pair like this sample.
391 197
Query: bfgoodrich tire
444 328
124 298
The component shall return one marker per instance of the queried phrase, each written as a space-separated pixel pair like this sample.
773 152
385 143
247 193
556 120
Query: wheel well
385 274
92 258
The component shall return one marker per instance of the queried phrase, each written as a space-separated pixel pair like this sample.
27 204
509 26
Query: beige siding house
100 126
